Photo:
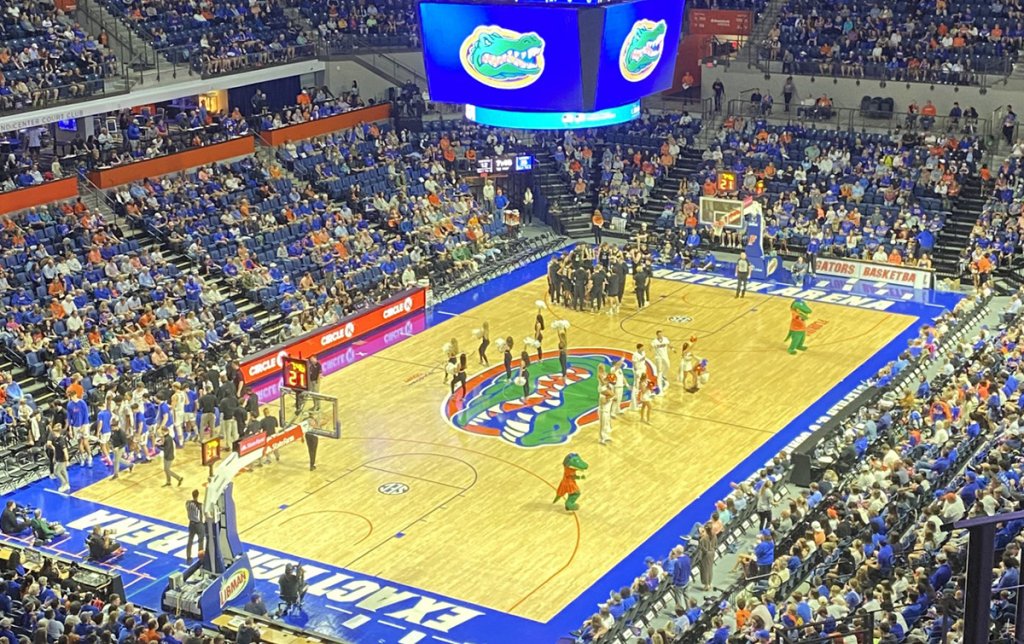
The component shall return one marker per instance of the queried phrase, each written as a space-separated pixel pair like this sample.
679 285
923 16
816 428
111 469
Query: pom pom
540 304
477 333
531 342
499 344
520 381
446 348
703 378
560 325
451 368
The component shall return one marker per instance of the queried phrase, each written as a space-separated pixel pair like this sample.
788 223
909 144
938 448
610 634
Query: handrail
763 54
850 119
94 89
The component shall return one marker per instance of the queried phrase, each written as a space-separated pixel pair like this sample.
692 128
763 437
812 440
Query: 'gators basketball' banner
720 22
267 363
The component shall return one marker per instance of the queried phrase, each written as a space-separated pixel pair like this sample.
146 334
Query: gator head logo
642 49
555 406
502 58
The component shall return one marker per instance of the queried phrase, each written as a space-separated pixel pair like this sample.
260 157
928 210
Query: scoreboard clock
296 373
211 451
726 182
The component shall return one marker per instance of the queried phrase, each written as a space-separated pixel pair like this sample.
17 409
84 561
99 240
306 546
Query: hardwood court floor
477 522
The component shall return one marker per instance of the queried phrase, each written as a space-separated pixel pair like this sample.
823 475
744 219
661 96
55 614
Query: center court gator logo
555 408
642 49
502 58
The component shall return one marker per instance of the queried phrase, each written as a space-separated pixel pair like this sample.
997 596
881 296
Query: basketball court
409 496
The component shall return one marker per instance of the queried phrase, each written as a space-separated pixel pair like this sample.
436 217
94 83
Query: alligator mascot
799 312
572 466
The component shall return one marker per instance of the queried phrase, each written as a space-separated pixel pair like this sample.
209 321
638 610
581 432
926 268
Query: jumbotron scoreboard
552 65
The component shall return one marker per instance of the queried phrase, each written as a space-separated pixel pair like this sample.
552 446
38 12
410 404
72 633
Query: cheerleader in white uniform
451 359
688 365
645 391
606 400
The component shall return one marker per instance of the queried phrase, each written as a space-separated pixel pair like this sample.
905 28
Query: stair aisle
957 231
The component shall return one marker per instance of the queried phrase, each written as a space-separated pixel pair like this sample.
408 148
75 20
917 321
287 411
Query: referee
742 275
194 509
314 379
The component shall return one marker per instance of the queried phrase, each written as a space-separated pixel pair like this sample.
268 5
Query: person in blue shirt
803 609
78 422
721 634
682 570
885 558
1009 576
500 200
138 364
942 574
104 418
764 553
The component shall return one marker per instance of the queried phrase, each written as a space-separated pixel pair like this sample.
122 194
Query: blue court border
145 572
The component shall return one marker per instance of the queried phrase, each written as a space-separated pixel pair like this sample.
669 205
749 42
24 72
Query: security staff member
168 447
207 404
194 510
268 425
312 442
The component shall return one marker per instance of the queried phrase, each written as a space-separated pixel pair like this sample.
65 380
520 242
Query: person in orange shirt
56 310
895 258
302 98
76 388
56 288
710 188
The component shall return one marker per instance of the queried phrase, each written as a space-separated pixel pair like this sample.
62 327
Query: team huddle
589 280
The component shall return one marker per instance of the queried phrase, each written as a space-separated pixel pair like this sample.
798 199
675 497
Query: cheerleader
485 341
644 390
460 375
538 328
618 380
606 400
508 357
563 354
451 351
524 357
524 376
688 366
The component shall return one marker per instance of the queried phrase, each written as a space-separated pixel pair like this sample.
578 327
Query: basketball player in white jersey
639 366
661 347
606 398
178 400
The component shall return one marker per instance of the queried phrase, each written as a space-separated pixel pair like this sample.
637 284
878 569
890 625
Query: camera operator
101 545
12 521
292 585
44 530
